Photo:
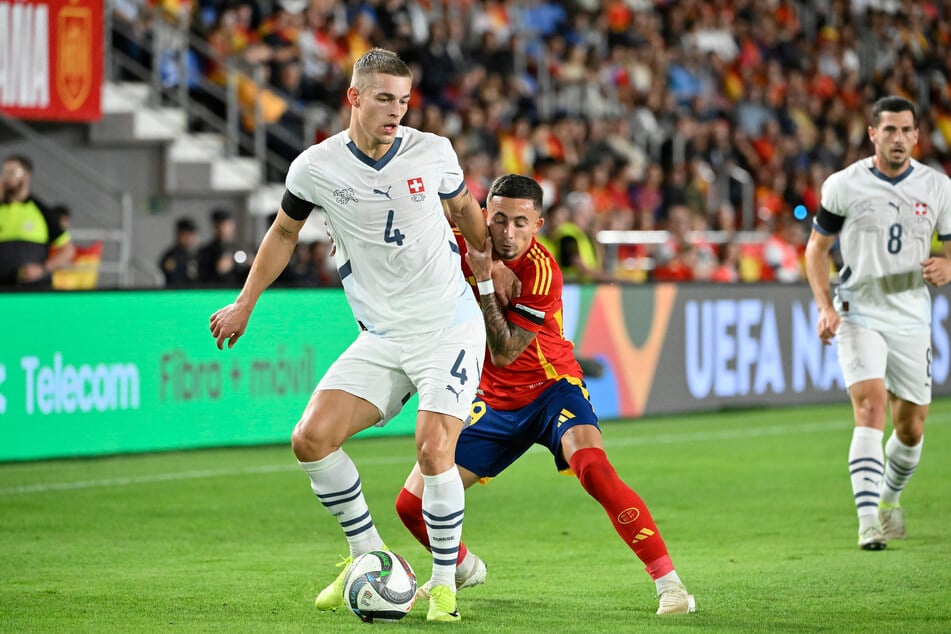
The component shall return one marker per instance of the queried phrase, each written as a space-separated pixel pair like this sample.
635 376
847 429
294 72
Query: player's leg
487 445
862 356
352 396
470 569
902 454
443 506
908 380
445 368
583 449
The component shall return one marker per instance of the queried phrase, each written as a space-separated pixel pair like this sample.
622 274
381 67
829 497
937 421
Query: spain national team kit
540 395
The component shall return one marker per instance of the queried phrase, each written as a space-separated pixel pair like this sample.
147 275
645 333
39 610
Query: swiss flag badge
416 185
921 209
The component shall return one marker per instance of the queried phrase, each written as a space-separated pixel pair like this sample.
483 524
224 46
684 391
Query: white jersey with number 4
398 262
887 233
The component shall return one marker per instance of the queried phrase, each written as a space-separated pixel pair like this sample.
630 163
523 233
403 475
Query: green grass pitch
755 506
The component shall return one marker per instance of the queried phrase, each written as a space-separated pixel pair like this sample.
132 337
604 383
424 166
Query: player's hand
828 324
936 271
480 261
229 323
507 285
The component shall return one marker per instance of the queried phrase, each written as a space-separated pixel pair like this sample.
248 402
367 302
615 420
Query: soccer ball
380 586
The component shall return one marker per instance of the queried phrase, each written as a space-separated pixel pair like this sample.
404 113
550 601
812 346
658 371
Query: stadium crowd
715 120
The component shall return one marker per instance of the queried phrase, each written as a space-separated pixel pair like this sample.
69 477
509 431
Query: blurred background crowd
706 126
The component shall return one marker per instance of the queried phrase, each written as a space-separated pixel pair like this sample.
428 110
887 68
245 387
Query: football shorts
902 359
494 439
442 366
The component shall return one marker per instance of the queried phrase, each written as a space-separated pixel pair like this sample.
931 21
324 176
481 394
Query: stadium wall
98 373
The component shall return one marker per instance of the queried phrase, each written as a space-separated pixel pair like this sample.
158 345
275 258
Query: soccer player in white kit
884 210
383 188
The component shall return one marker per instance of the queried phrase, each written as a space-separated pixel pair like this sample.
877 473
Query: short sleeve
830 195
452 181
299 181
943 225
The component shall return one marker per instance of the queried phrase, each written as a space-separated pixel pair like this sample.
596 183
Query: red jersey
537 309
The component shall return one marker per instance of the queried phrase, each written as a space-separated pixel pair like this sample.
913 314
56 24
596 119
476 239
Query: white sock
443 510
867 468
670 579
336 483
900 466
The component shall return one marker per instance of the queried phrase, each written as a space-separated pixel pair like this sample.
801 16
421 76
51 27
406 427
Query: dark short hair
517 186
892 103
220 215
22 159
186 225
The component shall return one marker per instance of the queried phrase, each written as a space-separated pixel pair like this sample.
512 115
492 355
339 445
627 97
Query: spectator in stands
64 214
222 261
323 269
578 252
33 243
728 267
179 263
748 95
131 37
783 251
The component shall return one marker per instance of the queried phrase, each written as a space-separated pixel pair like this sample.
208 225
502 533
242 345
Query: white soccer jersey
886 234
398 262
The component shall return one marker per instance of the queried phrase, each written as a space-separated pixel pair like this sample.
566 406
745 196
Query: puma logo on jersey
384 193
458 394
896 206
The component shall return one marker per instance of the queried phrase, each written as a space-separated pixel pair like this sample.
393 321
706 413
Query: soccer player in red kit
532 391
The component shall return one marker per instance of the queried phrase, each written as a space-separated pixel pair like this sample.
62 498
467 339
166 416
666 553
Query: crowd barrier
96 373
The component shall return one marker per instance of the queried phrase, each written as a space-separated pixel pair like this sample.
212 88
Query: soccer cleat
872 538
442 605
475 577
675 600
331 597
893 521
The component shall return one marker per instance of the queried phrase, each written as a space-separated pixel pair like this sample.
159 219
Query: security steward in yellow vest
33 243
576 253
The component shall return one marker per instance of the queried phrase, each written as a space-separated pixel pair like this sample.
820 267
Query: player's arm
272 257
275 251
505 340
465 213
817 272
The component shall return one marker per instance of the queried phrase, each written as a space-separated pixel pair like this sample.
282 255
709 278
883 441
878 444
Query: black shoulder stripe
296 208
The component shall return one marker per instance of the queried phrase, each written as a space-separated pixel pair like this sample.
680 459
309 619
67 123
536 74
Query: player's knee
435 455
871 408
308 444
591 462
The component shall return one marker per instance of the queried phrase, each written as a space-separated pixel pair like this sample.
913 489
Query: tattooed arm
505 340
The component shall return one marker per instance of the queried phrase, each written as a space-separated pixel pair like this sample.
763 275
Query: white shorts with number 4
443 366
903 360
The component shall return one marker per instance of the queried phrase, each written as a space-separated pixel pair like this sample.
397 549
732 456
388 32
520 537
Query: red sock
628 512
410 509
